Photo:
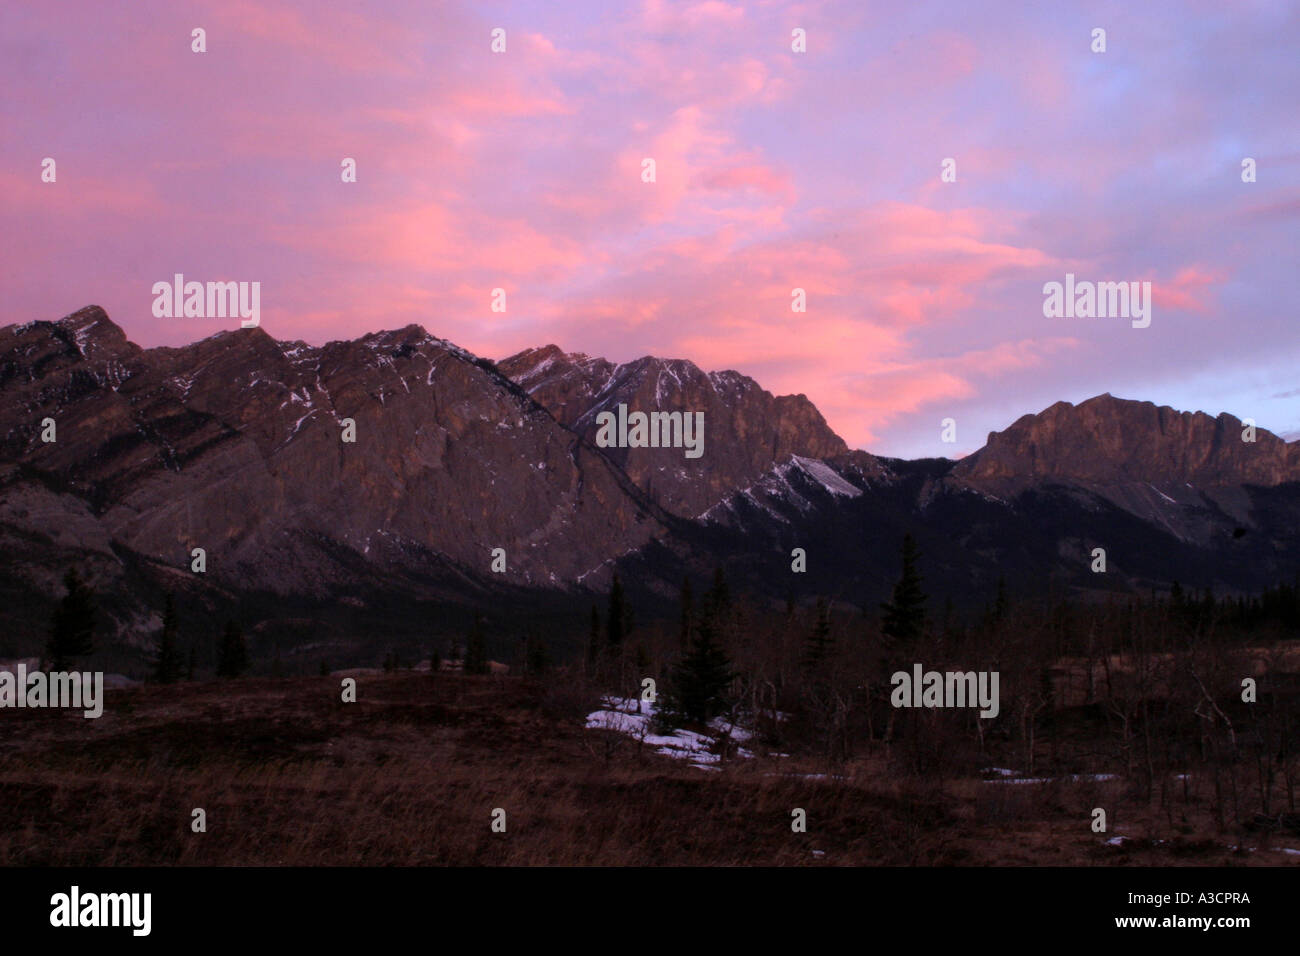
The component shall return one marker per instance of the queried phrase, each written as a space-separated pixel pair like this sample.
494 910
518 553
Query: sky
775 169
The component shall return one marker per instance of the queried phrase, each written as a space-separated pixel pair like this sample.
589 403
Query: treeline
70 638
1160 687
1157 687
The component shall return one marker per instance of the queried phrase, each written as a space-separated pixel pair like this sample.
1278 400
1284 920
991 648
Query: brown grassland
409 775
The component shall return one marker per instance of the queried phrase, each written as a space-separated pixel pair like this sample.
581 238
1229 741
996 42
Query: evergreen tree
1001 604
193 663
324 668
688 612
820 643
719 597
593 639
476 661
232 656
702 678
435 662
167 665
616 620
904 616
537 656
72 625
718 608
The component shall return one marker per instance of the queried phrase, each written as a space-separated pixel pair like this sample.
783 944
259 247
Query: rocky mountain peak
1109 439
747 430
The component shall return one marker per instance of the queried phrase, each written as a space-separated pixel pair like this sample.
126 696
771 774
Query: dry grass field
409 775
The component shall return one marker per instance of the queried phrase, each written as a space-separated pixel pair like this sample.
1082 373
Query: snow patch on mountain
825 475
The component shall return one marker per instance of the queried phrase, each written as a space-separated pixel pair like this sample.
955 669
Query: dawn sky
774 170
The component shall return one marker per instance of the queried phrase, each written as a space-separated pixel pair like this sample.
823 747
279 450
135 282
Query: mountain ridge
234 444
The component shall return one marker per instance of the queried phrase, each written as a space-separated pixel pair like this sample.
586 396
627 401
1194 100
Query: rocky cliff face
234 444
747 431
1173 469
1107 439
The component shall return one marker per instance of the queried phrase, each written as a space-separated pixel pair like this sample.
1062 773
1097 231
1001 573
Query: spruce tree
688 612
616 622
1001 604
948 624
719 597
537 656
718 607
167 665
72 625
593 640
904 616
232 657
820 643
476 661
701 679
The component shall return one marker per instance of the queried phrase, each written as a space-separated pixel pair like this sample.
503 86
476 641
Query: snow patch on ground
1071 778
1254 849
620 714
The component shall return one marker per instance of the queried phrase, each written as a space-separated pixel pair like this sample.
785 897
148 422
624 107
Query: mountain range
235 445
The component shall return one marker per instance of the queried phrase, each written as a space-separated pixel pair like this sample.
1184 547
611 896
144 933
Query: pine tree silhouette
232 658
702 677
616 621
72 625
167 665
719 596
593 642
476 648
1001 604
537 656
820 643
904 616
688 612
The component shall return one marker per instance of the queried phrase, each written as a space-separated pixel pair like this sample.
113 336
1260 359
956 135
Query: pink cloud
1190 289
345 39
748 176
